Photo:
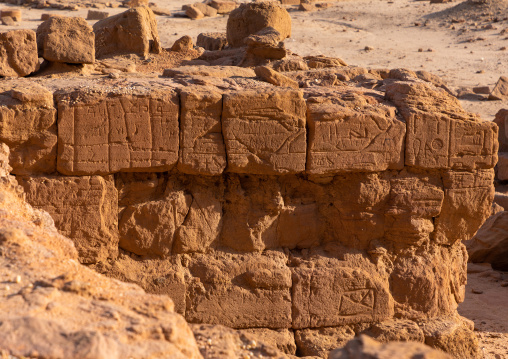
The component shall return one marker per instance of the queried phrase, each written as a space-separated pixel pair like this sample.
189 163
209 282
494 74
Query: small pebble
476 291
18 279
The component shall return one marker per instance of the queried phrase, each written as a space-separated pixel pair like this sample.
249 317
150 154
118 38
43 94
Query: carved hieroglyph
353 133
202 149
102 135
325 297
265 131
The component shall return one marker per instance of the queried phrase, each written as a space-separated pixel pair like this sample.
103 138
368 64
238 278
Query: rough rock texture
500 91
28 127
274 77
212 41
18 53
365 347
253 17
131 32
53 307
66 39
502 166
490 244
106 132
326 211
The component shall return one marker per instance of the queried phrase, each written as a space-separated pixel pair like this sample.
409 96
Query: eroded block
345 137
28 127
264 132
467 201
202 149
106 133
332 296
84 209
240 291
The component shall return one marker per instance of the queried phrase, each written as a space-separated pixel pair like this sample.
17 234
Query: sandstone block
83 208
500 91
490 244
501 121
18 53
106 134
13 14
223 6
212 41
253 17
131 32
282 339
206 9
66 39
202 148
28 127
468 198
399 330
265 132
318 342
194 13
182 44
275 78
435 139
240 291
97 15
174 214
345 140
334 296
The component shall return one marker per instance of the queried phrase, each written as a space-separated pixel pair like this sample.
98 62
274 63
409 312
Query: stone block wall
266 208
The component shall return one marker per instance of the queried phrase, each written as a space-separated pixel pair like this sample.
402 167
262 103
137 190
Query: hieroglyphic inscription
435 141
265 132
121 133
328 296
343 140
202 149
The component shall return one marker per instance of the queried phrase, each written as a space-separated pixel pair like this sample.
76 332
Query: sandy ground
389 27
486 304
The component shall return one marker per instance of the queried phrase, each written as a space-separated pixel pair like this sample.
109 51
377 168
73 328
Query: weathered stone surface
490 244
28 127
275 78
212 41
363 347
501 121
467 200
223 6
319 342
500 91
337 296
398 330
453 335
182 44
66 39
192 218
502 166
206 9
83 208
440 134
240 291
202 148
18 53
110 132
265 132
57 308
250 18
97 15
282 339
353 132
194 13
131 32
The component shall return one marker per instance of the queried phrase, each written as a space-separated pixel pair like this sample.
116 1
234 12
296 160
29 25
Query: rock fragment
18 53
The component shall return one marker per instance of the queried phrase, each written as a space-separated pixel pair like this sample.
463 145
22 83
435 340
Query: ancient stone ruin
303 202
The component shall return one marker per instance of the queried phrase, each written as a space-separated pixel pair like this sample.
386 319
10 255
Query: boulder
131 32
18 53
96 15
223 6
206 9
14 14
212 41
183 43
500 91
193 12
66 39
275 78
253 17
490 244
